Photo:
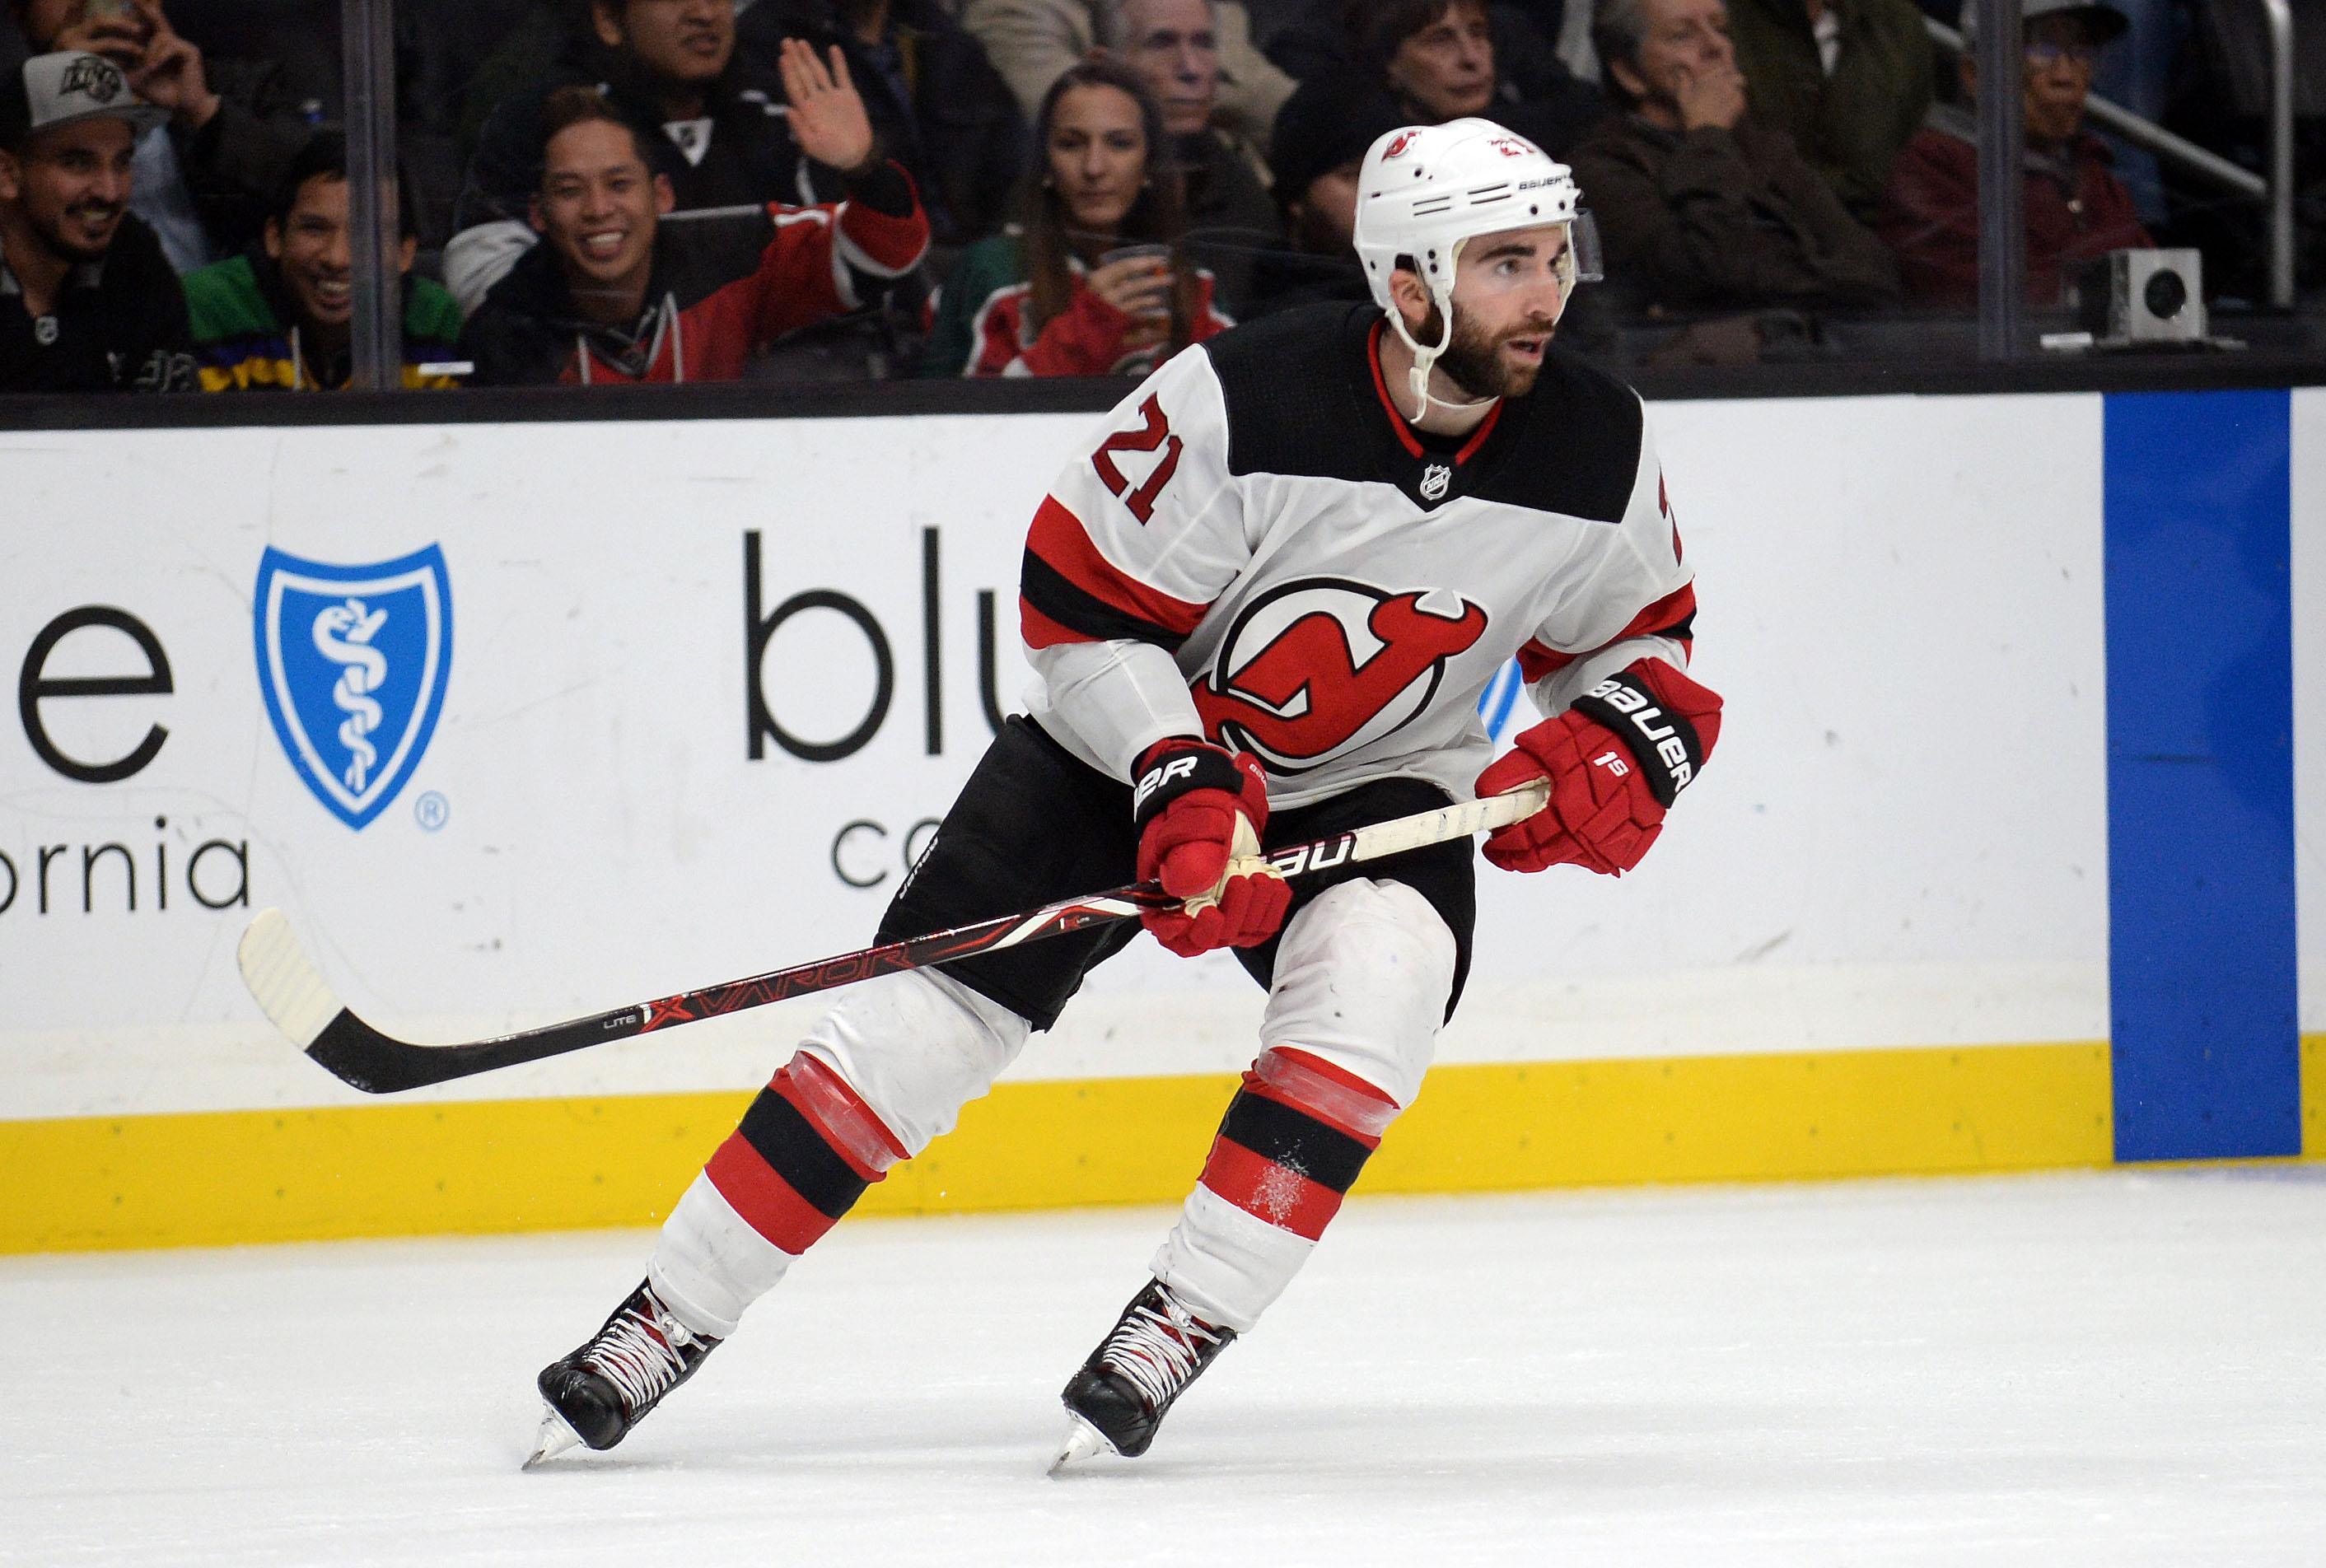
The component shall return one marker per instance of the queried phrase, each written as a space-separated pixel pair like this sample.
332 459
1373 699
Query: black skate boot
1156 1349
597 1394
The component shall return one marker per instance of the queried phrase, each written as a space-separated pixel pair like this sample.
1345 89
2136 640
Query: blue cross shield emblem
354 661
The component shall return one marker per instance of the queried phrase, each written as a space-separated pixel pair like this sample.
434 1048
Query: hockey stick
293 995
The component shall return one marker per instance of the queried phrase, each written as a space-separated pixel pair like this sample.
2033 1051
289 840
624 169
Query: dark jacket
722 290
936 103
1231 221
119 325
1720 219
750 159
1850 124
2077 212
234 166
1535 95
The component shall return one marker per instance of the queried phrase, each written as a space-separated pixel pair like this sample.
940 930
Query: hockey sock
806 1150
1293 1142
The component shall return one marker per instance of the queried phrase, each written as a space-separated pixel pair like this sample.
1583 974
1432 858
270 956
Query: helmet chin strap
1425 356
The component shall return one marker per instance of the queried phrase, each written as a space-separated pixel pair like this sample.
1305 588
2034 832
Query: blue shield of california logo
354 661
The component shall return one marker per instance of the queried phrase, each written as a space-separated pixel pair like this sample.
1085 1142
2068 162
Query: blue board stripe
2203 1030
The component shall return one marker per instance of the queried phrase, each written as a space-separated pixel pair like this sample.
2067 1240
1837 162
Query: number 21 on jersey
1156 432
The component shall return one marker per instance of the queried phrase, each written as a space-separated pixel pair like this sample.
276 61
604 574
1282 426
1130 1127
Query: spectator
88 302
1435 60
1847 79
234 126
1032 41
712 126
1320 145
1053 298
1173 46
614 295
1699 205
282 317
937 104
2077 209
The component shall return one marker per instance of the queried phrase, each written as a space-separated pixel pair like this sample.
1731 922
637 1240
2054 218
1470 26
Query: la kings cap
62 89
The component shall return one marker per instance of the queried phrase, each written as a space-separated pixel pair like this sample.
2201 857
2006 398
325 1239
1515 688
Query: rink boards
2011 854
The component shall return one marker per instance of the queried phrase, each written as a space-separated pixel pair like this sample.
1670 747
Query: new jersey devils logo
1321 666
1397 148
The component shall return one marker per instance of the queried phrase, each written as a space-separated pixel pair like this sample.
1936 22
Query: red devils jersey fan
1264 602
614 294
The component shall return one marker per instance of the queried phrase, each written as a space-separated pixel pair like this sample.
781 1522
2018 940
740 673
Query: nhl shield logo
353 661
1434 481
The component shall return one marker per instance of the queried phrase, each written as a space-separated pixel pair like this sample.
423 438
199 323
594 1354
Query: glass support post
368 50
2002 198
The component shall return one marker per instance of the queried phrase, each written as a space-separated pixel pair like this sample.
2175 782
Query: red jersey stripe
1536 661
1667 617
1040 631
1059 541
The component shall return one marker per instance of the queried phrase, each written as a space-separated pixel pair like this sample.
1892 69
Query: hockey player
1263 605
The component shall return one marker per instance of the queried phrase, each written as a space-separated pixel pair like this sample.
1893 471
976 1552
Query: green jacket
237 307
1849 126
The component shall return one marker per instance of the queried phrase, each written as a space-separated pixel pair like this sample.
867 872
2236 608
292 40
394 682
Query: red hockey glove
1616 761
1199 808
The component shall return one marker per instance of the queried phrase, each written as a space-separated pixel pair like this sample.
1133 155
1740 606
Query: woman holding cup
1089 281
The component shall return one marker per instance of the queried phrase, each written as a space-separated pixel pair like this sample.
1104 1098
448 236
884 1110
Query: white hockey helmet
1425 190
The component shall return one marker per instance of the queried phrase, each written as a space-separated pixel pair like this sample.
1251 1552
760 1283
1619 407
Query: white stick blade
282 980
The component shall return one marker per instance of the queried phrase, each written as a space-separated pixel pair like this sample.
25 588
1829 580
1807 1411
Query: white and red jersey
1258 548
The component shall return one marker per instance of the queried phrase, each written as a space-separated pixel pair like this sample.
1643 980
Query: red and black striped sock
805 1153
1294 1140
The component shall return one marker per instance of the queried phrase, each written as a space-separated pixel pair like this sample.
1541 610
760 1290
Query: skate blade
1084 1442
556 1436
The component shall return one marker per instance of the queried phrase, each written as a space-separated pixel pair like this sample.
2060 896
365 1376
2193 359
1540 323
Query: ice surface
2119 1368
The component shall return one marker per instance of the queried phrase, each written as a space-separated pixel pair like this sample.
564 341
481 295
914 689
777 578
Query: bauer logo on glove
1604 811
1627 706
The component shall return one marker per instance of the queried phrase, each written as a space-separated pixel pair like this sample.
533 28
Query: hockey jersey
1257 546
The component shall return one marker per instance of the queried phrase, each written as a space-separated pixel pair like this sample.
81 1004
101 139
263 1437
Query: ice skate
597 1394
1118 1399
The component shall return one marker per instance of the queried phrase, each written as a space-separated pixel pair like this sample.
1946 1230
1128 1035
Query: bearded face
1486 363
70 186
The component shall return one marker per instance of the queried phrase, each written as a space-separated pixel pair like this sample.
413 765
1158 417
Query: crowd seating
1775 181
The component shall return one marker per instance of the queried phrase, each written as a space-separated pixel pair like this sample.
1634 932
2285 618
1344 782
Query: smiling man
711 123
232 125
281 318
613 294
88 302
1261 607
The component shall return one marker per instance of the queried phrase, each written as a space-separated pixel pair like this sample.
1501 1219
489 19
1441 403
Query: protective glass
1583 263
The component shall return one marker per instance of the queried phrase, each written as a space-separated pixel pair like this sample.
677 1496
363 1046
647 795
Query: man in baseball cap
2076 208
88 302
